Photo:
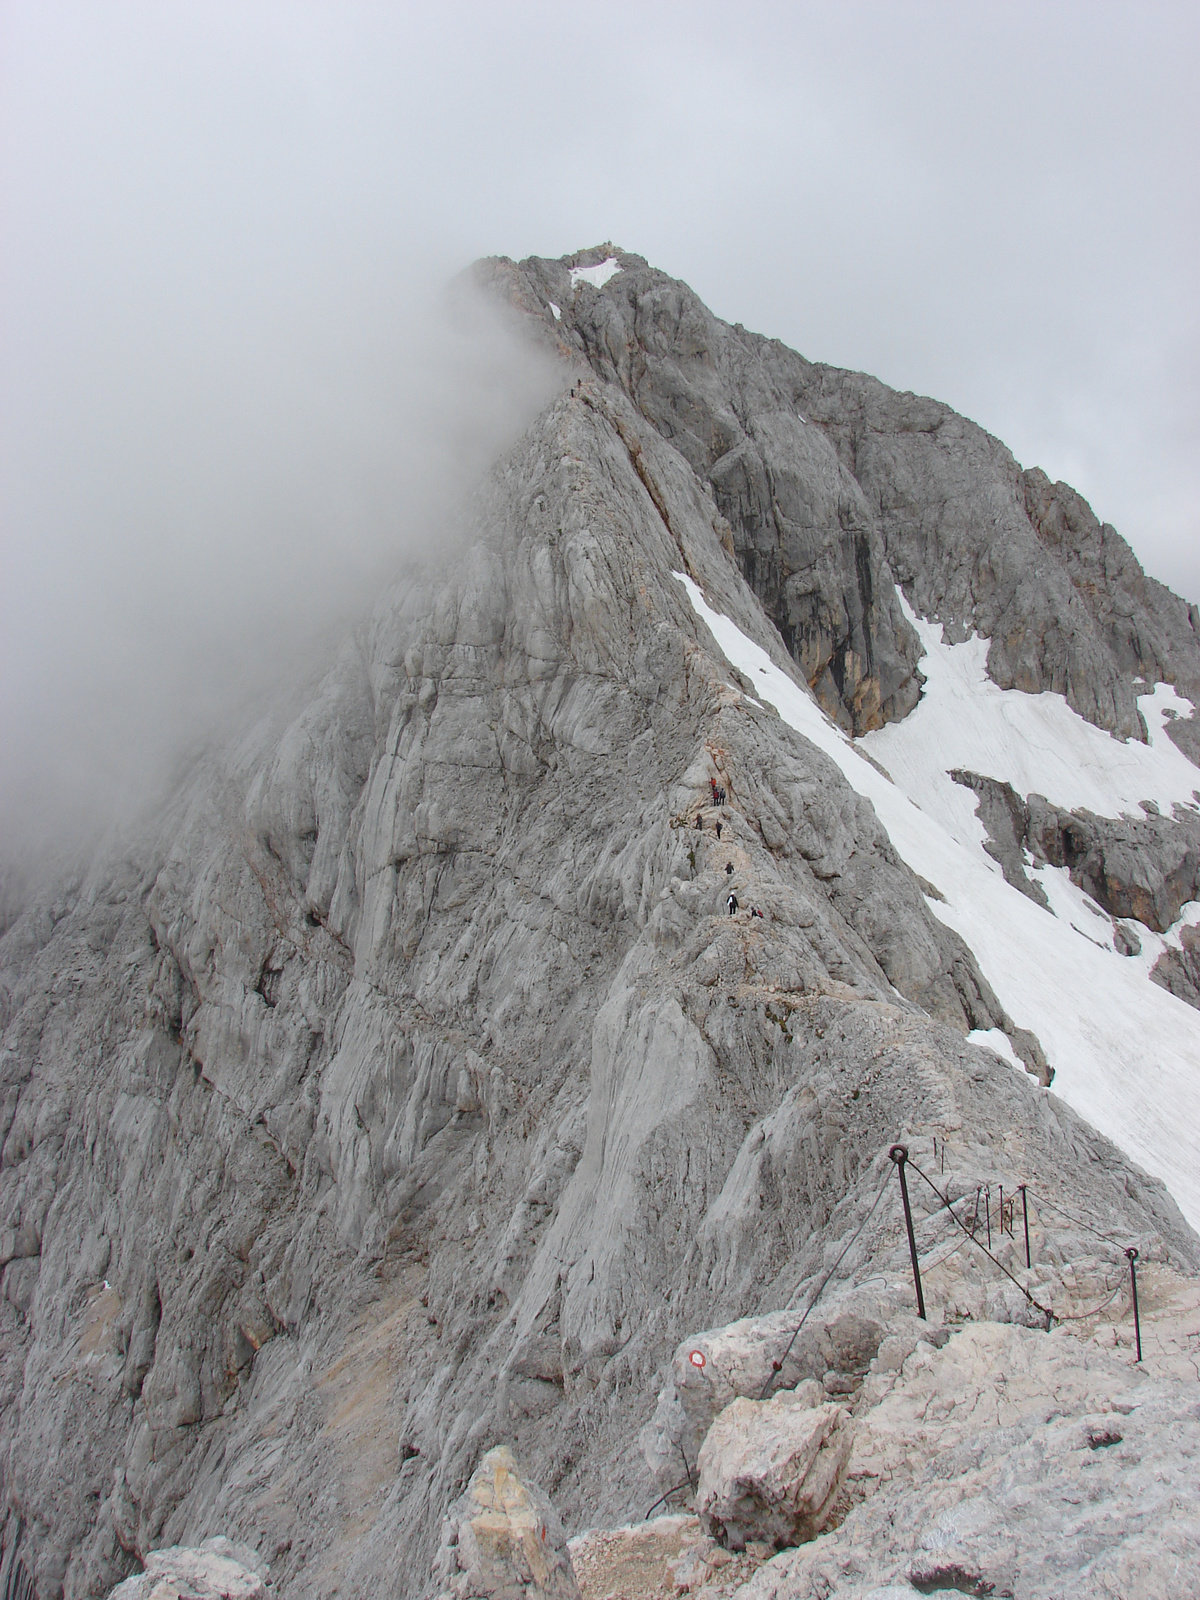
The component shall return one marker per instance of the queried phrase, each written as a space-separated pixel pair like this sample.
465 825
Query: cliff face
408 1087
838 488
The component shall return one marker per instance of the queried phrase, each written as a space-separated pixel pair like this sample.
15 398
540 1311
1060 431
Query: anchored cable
777 1366
943 1201
663 1498
1052 1205
1078 1316
1082 1316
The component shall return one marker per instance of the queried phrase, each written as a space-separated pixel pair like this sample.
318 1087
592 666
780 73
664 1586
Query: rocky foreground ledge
984 1458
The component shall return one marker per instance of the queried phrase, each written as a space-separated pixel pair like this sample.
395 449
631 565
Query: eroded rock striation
837 489
403 1089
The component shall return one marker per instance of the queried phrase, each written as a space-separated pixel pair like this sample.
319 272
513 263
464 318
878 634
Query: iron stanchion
899 1154
1025 1210
1131 1256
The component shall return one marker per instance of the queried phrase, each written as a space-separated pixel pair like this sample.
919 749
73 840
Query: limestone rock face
1144 868
838 489
1179 970
797 520
401 1088
770 1470
503 1540
758 1355
216 1570
1012 1460
1150 631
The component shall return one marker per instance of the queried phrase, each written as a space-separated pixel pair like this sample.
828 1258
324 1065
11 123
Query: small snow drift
598 275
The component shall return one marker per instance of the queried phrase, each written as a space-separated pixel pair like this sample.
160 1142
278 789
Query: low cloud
200 509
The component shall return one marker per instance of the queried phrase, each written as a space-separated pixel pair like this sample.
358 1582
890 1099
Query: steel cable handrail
777 1366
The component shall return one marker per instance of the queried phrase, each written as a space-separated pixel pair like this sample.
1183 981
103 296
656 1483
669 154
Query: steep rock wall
837 488
406 1088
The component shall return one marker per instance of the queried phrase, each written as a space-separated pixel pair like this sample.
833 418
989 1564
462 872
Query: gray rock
1178 971
398 1088
1143 868
755 1356
1146 868
503 1540
803 533
218 1569
770 1470
1151 632
837 488
1005 818
1012 1461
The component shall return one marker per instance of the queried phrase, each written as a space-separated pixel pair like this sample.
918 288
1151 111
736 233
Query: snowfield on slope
1126 1053
1035 742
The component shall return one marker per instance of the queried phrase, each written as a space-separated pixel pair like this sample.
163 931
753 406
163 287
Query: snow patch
997 1040
1125 1052
597 276
1035 742
555 310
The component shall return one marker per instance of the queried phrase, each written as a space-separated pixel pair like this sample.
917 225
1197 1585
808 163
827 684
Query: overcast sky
222 224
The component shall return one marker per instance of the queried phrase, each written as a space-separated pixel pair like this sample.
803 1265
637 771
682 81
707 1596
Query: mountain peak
496 1065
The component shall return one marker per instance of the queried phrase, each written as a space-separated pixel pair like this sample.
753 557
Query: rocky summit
471 1115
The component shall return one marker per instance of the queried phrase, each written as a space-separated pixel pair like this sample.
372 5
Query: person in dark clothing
728 868
700 826
718 827
732 903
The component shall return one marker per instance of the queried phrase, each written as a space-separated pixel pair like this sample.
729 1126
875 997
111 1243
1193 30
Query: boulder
218 1569
770 1470
1012 1461
502 1540
836 1345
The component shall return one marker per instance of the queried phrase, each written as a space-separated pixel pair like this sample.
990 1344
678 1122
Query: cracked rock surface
837 489
401 1089
1017 1462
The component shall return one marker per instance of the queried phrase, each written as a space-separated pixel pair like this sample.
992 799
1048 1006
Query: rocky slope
983 1459
406 1088
837 488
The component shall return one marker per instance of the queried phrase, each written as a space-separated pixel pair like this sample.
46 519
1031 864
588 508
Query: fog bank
235 402
228 407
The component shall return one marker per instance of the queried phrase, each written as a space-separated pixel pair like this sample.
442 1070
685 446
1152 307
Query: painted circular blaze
697 1358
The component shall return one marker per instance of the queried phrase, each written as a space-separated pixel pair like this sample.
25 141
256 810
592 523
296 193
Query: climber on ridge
732 903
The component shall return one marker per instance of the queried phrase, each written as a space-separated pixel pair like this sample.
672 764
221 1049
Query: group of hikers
719 798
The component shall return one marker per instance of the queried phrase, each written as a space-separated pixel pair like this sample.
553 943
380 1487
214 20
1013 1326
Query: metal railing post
899 1154
1131 1256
